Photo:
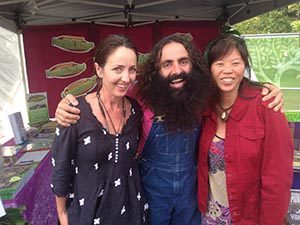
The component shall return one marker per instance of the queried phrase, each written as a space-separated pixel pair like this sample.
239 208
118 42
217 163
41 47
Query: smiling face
174 61
119 71
228 72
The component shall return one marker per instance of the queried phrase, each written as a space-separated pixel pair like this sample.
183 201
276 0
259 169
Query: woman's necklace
105 113
224 112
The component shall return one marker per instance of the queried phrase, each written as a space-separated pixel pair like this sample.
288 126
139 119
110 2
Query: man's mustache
173 77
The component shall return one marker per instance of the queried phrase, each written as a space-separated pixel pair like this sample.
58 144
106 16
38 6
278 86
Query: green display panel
276 59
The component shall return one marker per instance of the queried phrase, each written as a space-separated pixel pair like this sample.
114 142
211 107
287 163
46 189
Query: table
39 200
296 180
37 196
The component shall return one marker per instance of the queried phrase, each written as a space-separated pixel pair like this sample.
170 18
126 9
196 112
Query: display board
53 63
276 59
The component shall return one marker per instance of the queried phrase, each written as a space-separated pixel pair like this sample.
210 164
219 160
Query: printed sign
37 106
74 44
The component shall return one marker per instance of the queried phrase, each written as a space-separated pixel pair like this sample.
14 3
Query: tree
284 20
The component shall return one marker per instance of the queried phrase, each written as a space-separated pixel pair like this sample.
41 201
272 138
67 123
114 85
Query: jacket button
229 175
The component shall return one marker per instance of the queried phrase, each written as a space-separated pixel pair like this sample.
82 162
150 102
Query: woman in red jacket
246 150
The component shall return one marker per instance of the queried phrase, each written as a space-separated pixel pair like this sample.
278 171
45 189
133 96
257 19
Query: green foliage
273 22
284 20
294 10
13 217
296 26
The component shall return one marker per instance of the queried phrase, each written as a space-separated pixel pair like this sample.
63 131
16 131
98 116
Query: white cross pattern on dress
76 170
57 131
139 196
123 210
101 193
97 221
53 161
104 131
146 206
81 202
127 145
87 140
110 156
71 195
96 166
118 182
130 172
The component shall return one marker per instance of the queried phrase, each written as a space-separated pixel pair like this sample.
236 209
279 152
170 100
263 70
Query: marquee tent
132 12
144 21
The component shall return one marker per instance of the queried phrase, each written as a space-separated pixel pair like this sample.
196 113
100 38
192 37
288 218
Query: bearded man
173 88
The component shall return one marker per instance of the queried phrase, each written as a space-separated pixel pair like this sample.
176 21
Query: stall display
25 177
293 216
13 179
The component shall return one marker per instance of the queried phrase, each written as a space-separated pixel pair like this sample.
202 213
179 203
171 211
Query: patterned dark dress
98 171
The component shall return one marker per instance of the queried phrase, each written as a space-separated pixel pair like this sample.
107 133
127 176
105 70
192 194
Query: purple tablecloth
39 200
296 181
37 196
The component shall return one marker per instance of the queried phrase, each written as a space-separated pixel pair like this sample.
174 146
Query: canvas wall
41 55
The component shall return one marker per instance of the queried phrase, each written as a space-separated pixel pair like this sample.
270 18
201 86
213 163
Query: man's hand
273 91
66 113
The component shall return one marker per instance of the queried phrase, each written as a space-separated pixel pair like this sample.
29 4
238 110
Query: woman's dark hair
223 46
108 46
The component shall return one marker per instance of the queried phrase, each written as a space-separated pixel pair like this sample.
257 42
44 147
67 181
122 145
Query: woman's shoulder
85 100
135 108
251 91
255 102
134 103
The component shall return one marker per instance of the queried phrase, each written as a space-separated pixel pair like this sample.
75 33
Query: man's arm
271 91
66 112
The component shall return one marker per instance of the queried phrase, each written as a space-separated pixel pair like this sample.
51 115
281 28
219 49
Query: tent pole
23 61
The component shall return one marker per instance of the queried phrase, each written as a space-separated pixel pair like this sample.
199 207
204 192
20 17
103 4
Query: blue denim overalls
168 170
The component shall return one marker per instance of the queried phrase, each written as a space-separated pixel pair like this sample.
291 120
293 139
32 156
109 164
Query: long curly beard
181 107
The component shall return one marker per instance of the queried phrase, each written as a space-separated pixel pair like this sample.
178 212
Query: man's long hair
181 110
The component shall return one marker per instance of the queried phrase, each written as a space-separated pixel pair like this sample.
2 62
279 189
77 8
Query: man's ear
98 70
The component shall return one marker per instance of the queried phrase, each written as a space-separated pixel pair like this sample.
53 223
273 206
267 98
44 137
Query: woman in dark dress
95 176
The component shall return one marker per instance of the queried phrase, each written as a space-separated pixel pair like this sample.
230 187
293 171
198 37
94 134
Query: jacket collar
240 106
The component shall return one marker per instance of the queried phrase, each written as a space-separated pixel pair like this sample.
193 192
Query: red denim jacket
258 158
